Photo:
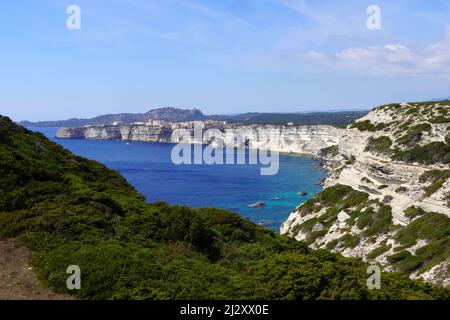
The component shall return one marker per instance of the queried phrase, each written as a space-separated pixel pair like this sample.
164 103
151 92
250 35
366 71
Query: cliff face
292 139
387 194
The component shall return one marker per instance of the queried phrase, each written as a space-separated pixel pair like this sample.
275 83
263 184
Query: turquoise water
149 168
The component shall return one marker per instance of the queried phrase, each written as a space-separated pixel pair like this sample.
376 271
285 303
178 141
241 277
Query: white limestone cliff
387 179
289 139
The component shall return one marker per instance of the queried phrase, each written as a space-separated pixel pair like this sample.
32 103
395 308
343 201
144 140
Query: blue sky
222 56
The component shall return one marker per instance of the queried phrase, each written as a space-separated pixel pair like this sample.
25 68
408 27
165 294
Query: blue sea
148 166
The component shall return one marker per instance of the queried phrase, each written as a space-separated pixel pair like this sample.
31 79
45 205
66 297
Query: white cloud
390 60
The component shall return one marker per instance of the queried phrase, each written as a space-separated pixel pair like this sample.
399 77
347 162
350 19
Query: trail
17 279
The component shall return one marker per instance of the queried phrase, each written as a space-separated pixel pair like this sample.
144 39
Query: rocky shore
287 138
395 161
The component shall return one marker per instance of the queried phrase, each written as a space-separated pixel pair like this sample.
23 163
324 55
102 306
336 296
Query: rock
403 185
293 139
257 205
318 227
343 216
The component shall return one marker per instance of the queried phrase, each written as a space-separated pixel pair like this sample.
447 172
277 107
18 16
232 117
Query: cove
149 168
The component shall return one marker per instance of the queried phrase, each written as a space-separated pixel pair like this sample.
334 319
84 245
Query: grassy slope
69 210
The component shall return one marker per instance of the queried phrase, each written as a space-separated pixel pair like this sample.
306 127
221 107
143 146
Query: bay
149 168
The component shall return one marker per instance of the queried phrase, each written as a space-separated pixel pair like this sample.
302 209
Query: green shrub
414 135
330 151
437 179
430 226
379 145
366 125
413 212
440 119
378 251
382 221
349 241
434 152
402 255
401 189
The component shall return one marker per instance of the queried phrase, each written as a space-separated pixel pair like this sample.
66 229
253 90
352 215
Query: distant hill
167 114
342 118
440 99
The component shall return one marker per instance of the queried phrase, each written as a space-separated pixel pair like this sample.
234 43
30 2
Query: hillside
166 114
340 119
388 193
68 210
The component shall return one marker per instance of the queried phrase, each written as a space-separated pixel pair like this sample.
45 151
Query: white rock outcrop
386 179
289 139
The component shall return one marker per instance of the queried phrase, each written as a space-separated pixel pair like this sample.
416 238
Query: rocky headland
283 138
387 196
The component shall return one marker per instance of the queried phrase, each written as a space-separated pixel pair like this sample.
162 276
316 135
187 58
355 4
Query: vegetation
431 227
69 210
379 145
349 241
437 178
343 198
338 119
374 218
330 151
413 212
440 119
447 136
414 135
401 189
378 251
434 152
367 125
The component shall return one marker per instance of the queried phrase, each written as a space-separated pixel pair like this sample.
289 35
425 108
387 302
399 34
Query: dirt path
17 278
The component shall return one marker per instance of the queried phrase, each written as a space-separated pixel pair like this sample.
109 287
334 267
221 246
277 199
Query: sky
221 56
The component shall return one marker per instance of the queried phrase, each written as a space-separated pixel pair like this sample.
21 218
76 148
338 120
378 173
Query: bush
401 189
413 212
414 135
430 226
440 119
330 151
437 179
366 125
379 145
432 153
378 251
402 255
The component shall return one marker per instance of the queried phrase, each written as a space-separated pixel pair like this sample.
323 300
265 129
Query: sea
149 168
